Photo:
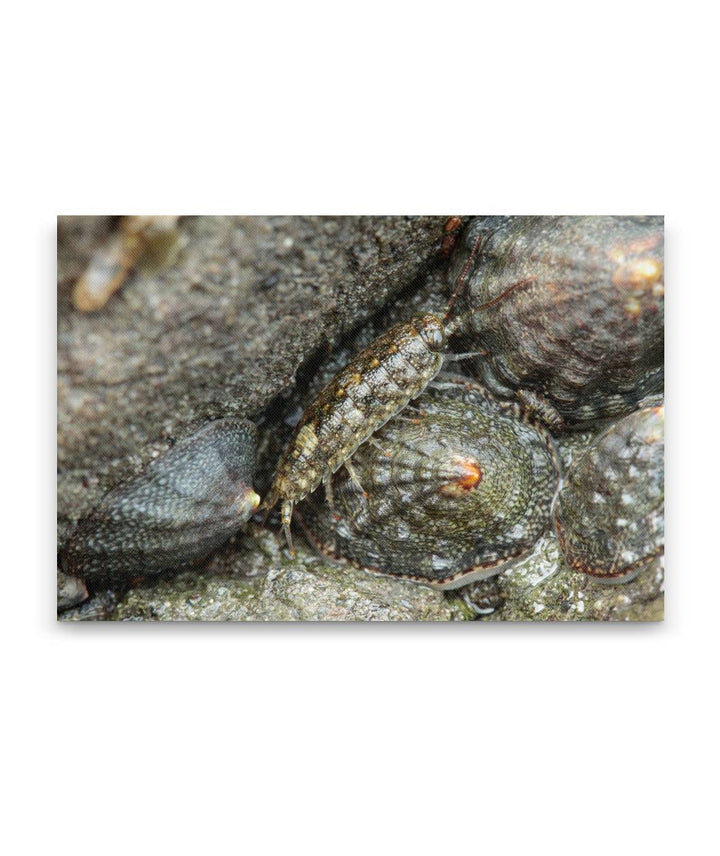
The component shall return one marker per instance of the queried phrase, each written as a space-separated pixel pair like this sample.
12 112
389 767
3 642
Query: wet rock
543 588
260 583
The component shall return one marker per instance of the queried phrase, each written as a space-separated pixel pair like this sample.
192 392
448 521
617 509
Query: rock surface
262 583
542 588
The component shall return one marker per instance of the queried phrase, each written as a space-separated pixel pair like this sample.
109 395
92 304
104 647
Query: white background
588 739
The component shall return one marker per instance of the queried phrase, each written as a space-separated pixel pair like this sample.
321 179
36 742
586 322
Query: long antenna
453 325
463 275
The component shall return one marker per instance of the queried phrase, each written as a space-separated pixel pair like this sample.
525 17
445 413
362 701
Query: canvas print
360 418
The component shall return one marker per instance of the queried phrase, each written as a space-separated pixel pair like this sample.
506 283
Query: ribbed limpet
451 490
570 311
609 514
181 507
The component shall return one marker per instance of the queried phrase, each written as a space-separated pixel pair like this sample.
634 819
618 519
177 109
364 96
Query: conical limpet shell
609 514
570 310
449 491
181 507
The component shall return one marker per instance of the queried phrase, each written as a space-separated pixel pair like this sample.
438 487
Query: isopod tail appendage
355 478
267 505
286 516
327 482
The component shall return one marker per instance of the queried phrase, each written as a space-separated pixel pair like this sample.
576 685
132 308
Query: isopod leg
355 478
287 510
451 358
327 482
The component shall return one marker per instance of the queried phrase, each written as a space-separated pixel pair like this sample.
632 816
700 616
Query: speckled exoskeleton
376 385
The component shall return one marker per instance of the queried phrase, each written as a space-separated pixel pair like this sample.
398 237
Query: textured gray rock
543 588
271 587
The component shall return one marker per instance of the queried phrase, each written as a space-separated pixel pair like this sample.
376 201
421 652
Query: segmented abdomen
361 398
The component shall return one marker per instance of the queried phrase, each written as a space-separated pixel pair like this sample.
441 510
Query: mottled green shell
452 489
181 507
609 514
570 310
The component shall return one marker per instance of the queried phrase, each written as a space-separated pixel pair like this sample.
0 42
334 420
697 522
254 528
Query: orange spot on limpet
469 475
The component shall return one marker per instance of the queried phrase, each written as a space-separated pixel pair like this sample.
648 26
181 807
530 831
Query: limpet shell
609 514
181 507
570 310
449 491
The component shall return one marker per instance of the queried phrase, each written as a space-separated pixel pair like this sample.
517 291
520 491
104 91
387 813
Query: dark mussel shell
570 310
450 490
609 514
181 507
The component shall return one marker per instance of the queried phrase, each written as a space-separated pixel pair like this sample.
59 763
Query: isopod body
181 507
377 384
